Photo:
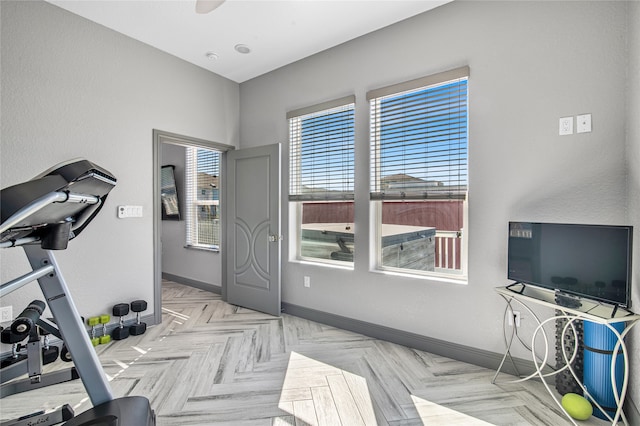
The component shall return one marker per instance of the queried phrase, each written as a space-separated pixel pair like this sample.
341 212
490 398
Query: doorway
170 149
249 259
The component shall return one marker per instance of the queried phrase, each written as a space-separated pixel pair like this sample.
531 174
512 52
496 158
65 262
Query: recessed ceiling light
211 55
242 48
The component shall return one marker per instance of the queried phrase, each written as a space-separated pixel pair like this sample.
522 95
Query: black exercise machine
42 215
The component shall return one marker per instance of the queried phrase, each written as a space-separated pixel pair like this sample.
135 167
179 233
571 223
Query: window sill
462 280
329 264
209 249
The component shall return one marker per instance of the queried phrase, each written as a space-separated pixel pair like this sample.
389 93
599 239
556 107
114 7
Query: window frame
377 193
193 204
298 196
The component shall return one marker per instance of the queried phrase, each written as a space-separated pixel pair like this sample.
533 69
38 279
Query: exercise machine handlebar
44 201
17 283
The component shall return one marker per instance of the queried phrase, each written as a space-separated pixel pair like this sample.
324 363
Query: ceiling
277 32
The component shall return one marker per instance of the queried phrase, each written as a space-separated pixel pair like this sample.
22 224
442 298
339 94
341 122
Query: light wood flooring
211 363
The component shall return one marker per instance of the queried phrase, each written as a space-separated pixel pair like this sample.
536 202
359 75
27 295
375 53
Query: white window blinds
321 151
202 170
419 138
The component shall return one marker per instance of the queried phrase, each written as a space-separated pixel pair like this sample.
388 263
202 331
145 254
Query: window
321 180
419 174
202 170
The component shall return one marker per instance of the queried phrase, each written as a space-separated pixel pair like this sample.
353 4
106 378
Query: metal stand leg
59 300
507 354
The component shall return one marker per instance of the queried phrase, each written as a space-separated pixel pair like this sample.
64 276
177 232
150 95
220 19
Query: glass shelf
588 309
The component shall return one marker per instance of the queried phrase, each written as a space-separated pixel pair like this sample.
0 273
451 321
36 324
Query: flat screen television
589 261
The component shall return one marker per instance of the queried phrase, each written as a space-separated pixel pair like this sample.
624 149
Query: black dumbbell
138 328
120 310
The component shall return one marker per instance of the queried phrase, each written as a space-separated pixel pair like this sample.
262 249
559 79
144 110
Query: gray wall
71 88
633 167
201 266
531 63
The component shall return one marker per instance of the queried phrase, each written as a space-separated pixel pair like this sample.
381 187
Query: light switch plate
566 126
583 123
129 211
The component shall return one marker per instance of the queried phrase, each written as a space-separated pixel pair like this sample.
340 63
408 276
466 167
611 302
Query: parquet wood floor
211 363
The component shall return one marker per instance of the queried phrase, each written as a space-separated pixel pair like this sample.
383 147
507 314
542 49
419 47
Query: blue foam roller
599 342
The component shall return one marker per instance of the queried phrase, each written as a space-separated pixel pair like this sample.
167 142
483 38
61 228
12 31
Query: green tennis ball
577 406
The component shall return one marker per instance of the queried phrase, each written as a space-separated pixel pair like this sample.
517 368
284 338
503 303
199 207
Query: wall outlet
6 313
514 315
565 126
307 281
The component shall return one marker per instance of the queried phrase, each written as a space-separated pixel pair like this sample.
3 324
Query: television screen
591 261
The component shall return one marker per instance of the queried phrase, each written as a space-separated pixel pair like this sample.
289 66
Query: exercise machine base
42 418
127 411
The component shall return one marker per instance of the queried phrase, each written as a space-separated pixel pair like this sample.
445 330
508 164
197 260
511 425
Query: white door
252 273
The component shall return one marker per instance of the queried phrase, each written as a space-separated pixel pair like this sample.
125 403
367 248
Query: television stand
585 306
530 297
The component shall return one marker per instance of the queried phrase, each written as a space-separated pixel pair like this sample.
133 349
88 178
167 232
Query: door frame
162 137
